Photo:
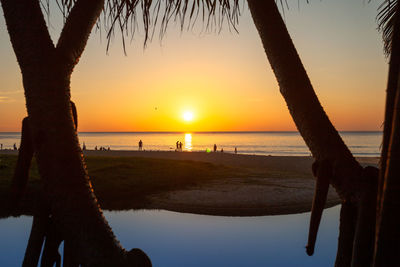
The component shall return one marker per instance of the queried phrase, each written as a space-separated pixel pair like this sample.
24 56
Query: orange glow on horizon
220 82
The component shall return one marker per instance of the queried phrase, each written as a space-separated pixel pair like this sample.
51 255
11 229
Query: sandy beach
272 185
252 196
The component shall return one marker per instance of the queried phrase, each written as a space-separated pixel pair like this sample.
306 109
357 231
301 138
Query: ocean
365 144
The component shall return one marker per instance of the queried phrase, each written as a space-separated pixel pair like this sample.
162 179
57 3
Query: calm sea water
178 239
260 143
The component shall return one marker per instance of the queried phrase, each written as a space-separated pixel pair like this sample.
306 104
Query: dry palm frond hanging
123 15
386 21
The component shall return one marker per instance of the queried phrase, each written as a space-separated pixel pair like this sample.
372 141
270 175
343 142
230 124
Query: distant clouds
5 99
5 95
11 92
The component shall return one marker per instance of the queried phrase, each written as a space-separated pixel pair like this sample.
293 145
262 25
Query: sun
188 116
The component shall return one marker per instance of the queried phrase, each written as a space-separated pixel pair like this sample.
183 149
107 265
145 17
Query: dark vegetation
117 180
125 182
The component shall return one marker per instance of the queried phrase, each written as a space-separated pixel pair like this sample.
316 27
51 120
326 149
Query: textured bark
313 124
46 72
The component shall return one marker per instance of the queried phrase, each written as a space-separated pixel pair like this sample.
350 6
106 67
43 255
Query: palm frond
386 21
125 15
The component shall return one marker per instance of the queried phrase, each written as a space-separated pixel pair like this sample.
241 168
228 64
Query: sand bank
257 194
272 184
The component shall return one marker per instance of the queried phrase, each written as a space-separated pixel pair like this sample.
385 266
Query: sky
222 80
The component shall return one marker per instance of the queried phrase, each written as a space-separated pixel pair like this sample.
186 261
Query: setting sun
188 116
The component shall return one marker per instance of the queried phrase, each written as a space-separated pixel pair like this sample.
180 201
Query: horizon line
340 131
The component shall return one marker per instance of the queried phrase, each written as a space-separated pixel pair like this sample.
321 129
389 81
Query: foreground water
178 239
259 143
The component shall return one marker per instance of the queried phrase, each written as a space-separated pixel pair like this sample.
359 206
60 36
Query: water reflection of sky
177 239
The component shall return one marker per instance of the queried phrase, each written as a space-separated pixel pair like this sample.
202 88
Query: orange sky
224 79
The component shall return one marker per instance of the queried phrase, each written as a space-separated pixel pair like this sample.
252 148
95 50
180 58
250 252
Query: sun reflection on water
188 141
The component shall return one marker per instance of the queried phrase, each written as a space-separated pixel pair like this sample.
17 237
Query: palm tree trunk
387 246
74 206
313 124
46 72
21 173
393 79
344 254
315 127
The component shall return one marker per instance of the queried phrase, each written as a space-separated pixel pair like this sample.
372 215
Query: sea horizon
277 143
178 132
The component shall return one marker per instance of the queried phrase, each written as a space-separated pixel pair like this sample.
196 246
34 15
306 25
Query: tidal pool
179 239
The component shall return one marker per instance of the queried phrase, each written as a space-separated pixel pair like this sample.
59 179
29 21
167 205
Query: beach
244 185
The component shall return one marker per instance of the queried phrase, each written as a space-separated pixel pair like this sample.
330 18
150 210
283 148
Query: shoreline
249 185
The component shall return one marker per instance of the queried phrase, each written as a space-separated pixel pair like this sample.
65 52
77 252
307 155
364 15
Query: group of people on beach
102 148
178 146
222 150
14 147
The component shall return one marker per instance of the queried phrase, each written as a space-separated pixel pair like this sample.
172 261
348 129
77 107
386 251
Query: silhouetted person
180 146
215 147
177 145
140 145
235 150
95 148
15 146
84 146
222 150
108 149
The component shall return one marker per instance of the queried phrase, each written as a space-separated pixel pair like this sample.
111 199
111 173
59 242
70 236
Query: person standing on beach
235 150
215 147
84 146
177 145
180 146
15 146
140 145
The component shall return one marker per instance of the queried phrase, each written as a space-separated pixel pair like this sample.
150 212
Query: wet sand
274 184
254 195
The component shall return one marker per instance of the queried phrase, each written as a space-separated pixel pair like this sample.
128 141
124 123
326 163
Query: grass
126 182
